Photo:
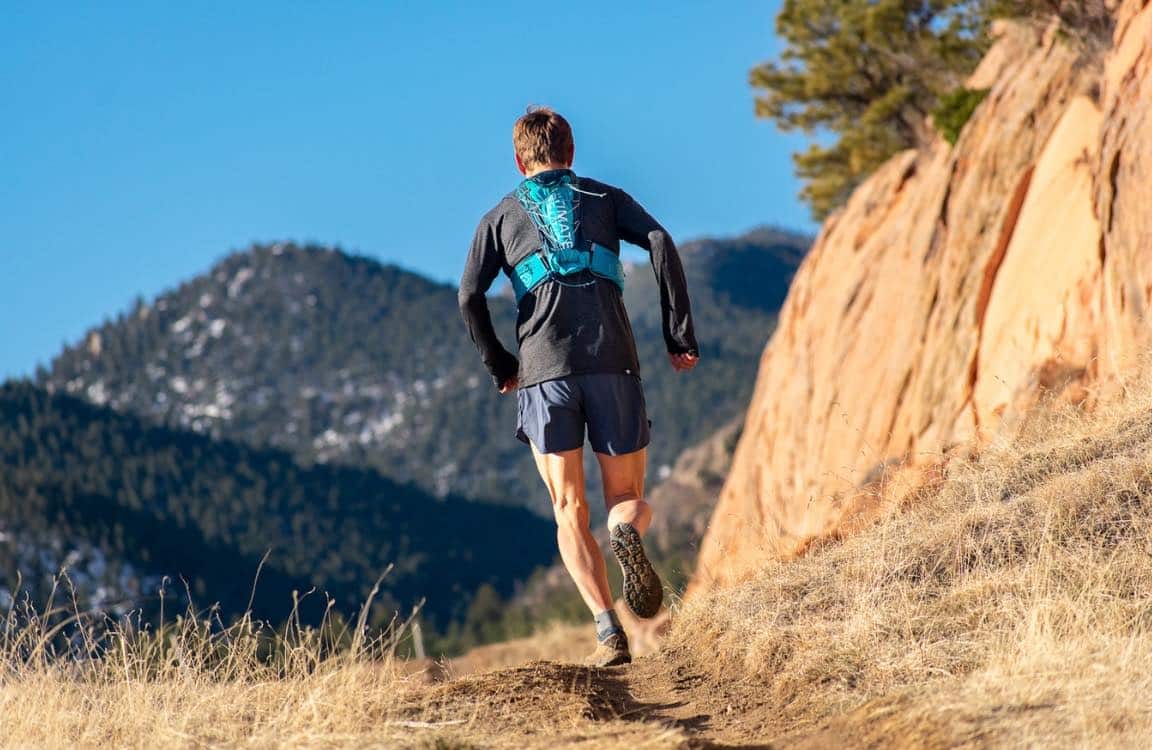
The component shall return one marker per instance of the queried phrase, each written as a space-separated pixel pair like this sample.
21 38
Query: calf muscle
623 478
563 473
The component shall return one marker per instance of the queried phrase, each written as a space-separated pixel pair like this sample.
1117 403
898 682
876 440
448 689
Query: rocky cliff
959 285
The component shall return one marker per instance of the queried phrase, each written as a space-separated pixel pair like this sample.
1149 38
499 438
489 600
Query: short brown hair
542 137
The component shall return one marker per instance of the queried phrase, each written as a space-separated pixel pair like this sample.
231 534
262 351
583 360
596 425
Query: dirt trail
650 703
708 715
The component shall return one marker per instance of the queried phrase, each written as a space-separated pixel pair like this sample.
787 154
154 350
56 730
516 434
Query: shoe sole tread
643 592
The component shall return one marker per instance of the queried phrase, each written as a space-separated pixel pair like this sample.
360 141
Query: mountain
340 359
737 286
122 503
958 287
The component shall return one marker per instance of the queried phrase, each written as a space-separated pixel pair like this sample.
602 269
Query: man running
557 237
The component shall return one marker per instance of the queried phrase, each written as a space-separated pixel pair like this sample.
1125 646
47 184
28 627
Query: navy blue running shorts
553 415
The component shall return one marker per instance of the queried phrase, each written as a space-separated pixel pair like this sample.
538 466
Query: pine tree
867 73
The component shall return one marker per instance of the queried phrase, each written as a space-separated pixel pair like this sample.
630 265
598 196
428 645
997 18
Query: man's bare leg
563 473
628 518
623 478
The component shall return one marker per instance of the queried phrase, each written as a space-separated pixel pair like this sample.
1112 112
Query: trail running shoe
611 652
642 590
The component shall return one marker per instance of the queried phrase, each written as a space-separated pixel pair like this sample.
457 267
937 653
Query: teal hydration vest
551 204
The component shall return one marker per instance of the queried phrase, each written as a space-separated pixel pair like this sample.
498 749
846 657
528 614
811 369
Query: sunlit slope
1008 603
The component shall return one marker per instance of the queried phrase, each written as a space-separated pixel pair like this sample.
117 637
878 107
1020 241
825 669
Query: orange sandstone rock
956 286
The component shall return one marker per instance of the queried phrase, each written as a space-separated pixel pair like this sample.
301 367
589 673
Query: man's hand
510 384
683 362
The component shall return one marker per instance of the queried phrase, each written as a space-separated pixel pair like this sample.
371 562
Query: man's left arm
636 226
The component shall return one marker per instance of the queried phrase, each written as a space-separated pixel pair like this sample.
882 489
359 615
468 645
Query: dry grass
72 681
69 682
1012 607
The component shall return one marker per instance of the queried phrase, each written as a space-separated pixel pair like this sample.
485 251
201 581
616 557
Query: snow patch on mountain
242 277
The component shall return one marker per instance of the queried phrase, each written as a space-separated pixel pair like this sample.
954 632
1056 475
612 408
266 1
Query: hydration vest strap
534 270
529 274
606 264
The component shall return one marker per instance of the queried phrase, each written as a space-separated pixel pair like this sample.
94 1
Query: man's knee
570 509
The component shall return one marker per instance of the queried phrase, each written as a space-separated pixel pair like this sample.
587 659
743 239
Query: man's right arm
480 270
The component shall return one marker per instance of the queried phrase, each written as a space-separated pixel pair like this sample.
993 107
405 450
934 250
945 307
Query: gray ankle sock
607 623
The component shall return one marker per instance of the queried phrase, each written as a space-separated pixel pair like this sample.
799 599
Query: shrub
954 109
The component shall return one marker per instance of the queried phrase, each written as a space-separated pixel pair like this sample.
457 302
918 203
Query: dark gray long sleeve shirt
578 325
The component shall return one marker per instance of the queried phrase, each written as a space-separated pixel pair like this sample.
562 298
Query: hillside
338 358
122 503
958 287
1006 607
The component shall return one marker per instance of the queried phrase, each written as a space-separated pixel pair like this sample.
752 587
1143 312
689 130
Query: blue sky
141 142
